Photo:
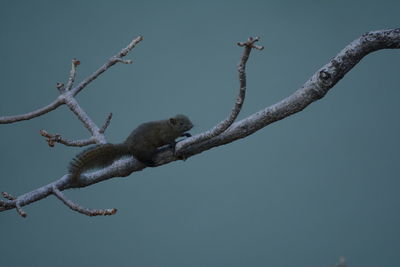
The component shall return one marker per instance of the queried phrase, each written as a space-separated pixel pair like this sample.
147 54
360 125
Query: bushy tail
98 156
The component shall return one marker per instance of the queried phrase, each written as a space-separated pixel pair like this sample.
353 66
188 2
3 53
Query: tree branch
111 62
78 208
223 125
72 74
27 116
106 123
314 89
61 99
51 139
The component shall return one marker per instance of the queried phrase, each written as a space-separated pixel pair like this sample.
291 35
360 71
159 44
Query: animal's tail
98 156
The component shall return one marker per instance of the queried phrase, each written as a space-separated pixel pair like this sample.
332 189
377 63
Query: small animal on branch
142 143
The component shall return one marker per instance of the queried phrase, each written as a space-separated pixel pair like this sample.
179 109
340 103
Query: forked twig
61 99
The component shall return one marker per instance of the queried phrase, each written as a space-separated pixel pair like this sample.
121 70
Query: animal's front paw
186 135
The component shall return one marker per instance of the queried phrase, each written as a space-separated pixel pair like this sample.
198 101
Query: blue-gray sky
301 192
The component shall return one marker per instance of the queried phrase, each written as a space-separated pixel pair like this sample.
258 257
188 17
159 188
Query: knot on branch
120 60
250 43
324 75
60 86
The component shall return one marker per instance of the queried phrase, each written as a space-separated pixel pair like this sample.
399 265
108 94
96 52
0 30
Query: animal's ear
172 121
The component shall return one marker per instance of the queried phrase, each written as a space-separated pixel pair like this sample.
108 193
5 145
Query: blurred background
304 191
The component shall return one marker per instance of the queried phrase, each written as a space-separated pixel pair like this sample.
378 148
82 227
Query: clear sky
321 184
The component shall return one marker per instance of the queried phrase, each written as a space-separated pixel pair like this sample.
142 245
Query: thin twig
111 62
106 123
61 99
80 209
223 125
124 61
27 116
72 74
51 139
20 210
73 105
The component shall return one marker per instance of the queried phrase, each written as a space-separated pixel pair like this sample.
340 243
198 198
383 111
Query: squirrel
142 143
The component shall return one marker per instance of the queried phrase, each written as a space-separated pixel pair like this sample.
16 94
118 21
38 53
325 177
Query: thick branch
314 89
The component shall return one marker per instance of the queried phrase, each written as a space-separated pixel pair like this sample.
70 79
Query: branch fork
67 97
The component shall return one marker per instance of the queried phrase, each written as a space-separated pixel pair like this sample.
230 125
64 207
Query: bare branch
19 210
27 116
16 203
106 124
83 117
61 99
80 209
314 89
72 74
37 194
51 139
124 61
110 63
223 125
